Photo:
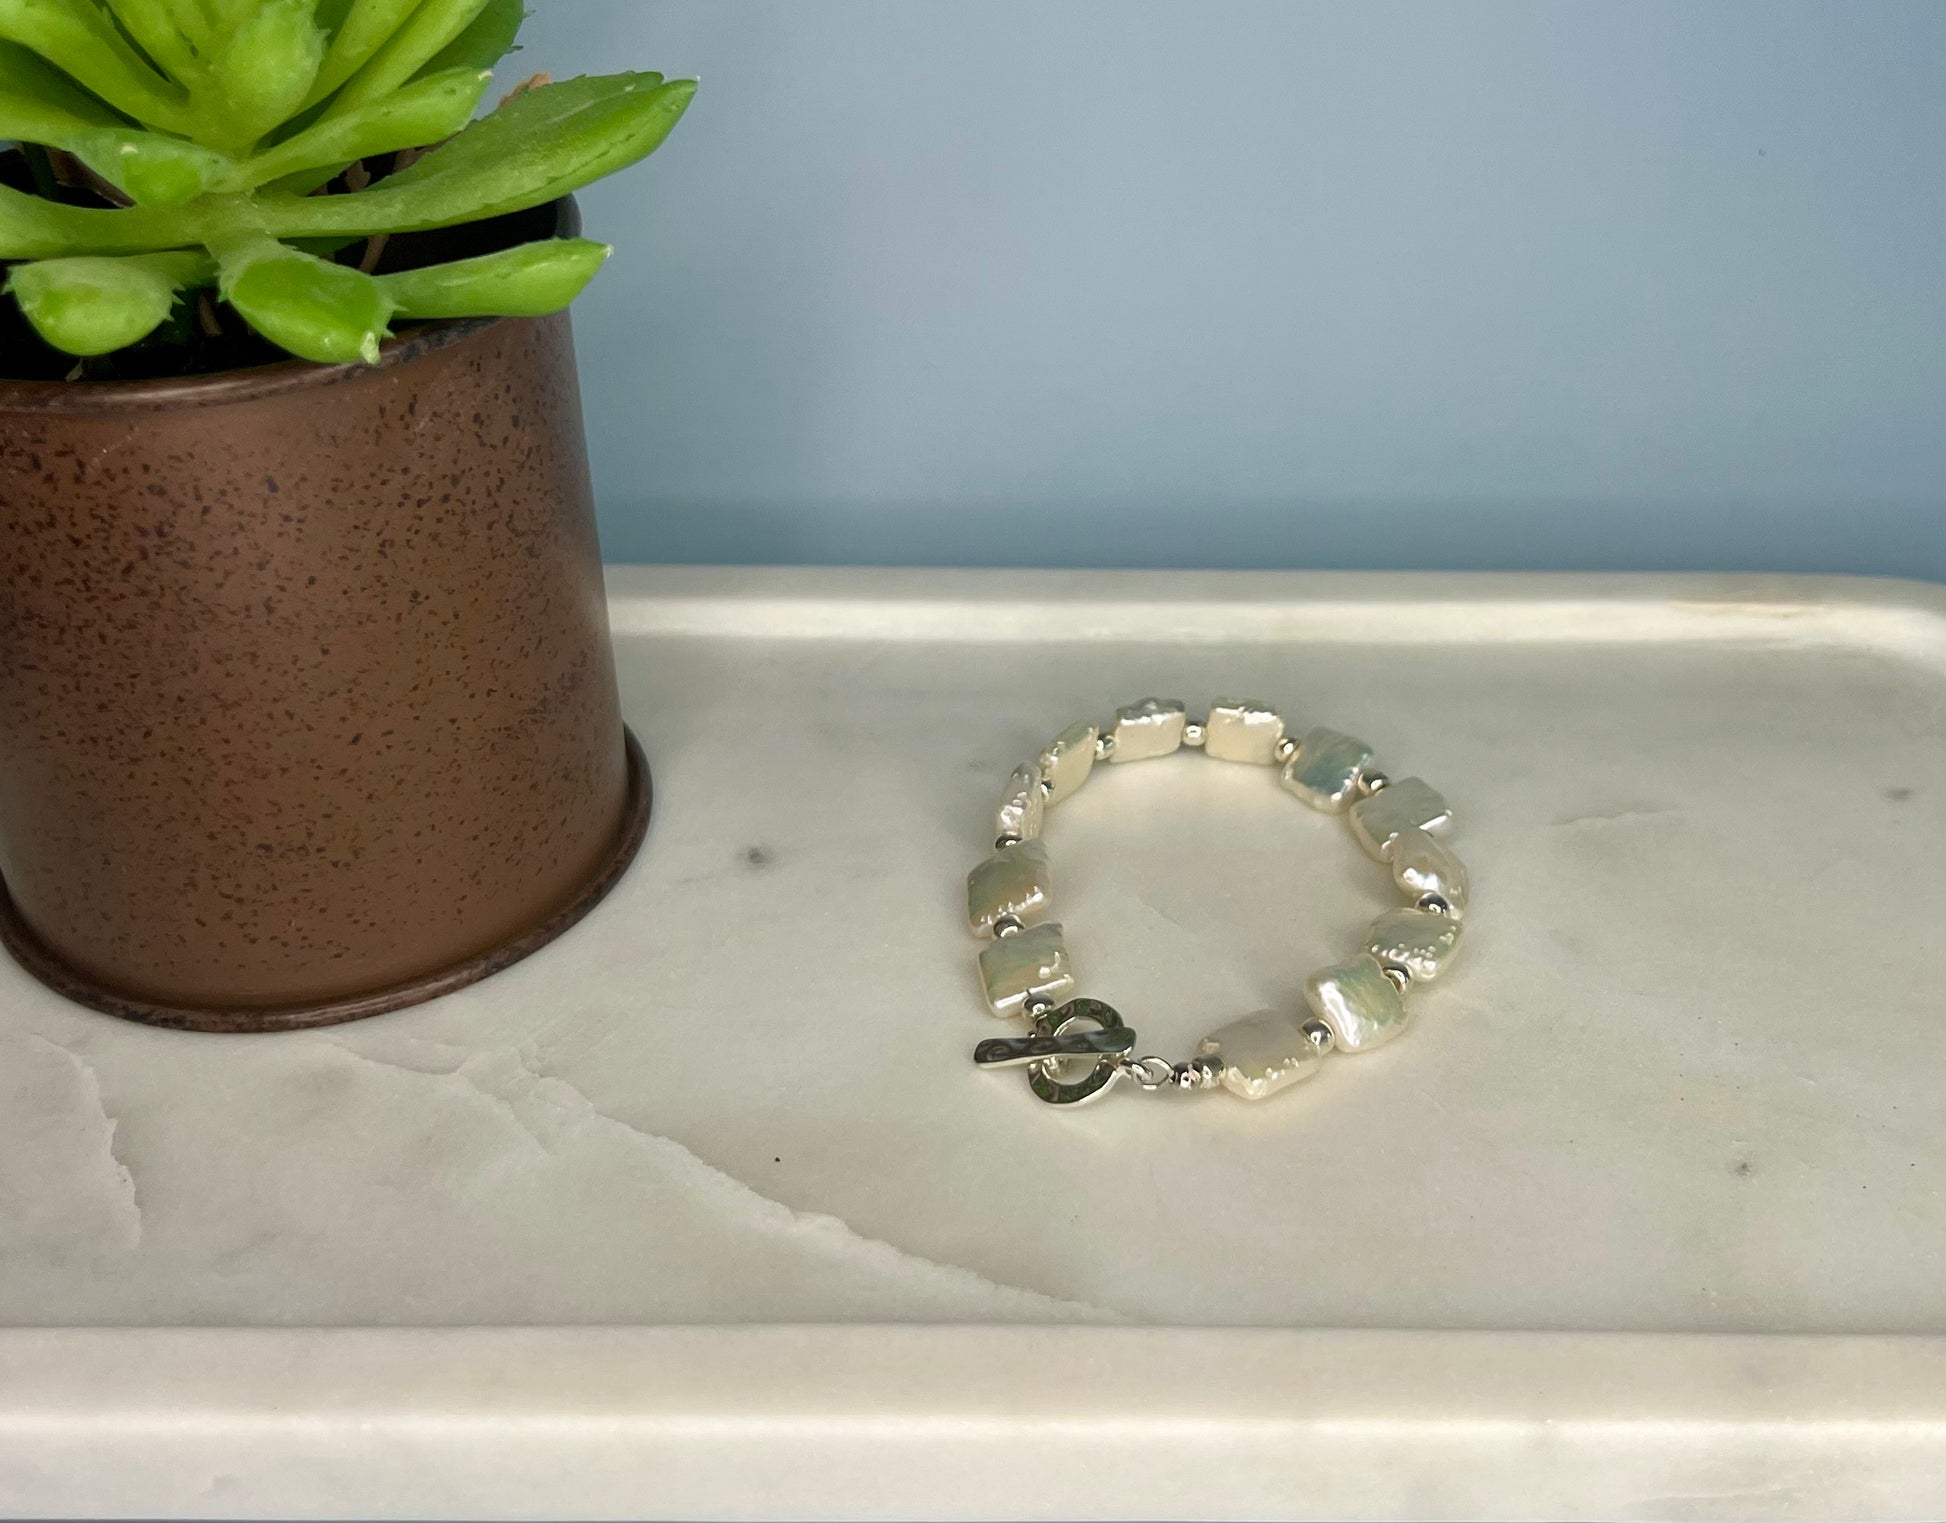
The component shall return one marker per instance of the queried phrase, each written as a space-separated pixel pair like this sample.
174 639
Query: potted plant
307 705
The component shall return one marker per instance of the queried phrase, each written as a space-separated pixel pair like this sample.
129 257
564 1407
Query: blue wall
1221 282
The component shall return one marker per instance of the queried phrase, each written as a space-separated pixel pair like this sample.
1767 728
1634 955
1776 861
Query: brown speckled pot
307 706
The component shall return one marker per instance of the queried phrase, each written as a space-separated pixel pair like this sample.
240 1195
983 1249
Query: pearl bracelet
1079 1048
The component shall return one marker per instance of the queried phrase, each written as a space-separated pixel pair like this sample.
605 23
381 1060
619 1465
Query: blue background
1227 283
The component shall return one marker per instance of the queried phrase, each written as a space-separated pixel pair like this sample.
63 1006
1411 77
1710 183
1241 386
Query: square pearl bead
1242 730
1026 966
1408 804
1147 729
1261 1054
1419 941
1068 759
1022 806
1423 864
1358 1002
1325 770
1013 881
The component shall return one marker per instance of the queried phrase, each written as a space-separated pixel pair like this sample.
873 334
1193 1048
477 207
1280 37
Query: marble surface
1685 1082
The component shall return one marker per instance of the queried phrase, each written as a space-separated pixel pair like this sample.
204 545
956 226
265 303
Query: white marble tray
703 1213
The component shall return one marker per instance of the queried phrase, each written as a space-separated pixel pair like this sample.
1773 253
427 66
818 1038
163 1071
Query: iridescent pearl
1032 965
1022 806
1068 759
1242 730
1012 882
1357 1001
1423 864
1261 1053
1147 729
1419 941
1408 804
1325 770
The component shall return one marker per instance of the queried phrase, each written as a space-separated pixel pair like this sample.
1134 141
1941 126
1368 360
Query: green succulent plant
226 145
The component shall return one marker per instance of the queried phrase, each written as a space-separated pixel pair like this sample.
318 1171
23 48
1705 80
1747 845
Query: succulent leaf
529 280
262 75
88 306
542 144
489 39
33 228
217 119
28 119
332 15
225 16
150 169
358 29
432 27
317 310
84 43
192 19
428 111
324 248
25 72
157 30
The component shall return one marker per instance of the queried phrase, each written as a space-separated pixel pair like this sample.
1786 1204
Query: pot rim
164 393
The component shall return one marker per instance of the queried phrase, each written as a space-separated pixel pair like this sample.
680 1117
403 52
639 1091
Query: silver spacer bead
1001 843
1047 789
1008 925
1401 977
1194 733
1104 746
1373 782
1285 749
1034 1009
1199 1073
1319 1035
1434 905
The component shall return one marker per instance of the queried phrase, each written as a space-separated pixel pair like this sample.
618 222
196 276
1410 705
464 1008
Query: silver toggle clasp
1056 1046
1016 1051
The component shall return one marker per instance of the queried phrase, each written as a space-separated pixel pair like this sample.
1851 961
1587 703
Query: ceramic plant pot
307 704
